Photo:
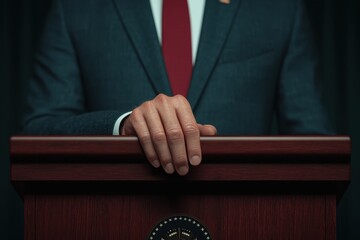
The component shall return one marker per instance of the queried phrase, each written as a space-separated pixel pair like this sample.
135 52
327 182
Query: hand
168 133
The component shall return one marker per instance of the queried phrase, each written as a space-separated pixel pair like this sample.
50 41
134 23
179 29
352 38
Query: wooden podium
245 188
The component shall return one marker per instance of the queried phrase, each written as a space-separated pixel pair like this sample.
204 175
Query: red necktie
176 44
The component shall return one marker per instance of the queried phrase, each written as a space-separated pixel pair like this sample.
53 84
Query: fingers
158 136
136 121
190 130
207 130
168 133
174 134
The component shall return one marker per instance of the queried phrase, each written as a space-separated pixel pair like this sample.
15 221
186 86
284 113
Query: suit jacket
100 58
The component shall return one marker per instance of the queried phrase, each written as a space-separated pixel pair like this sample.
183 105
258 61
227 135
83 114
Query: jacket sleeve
299 106
56 103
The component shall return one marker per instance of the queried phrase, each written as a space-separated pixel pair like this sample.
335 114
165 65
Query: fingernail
215 130
156 163
183 170
195 160
169 168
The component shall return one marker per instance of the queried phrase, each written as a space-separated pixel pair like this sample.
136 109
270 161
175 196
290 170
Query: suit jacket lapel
138 21
216 25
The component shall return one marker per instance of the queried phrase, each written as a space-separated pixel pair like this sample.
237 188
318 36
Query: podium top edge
339 138
211 146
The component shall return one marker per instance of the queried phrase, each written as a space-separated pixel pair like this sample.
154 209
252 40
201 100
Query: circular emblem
179 228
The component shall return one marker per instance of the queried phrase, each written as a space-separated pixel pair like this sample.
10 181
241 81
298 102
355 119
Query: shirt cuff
116 130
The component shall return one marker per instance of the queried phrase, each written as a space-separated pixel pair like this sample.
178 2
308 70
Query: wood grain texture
246 187
30 217
225 159
227 217
330 219
129 146
204 172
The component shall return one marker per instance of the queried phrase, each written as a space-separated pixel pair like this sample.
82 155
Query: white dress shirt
196 12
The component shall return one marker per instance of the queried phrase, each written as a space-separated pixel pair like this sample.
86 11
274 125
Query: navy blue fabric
101 58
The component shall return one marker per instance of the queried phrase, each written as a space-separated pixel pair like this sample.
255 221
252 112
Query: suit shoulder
79 13
81 8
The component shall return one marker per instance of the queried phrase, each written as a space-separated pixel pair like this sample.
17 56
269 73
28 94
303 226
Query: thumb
126 128
207 130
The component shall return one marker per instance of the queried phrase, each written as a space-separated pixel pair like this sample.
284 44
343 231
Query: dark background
337 31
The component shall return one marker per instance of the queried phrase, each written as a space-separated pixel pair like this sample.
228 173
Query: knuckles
177 99
175 134
159 137
161 98
145 139
180 100
148 105
136 114
191 129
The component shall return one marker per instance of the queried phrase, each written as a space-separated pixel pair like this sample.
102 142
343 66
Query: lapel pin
224 1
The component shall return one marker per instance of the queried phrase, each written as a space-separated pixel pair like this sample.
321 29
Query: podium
246 188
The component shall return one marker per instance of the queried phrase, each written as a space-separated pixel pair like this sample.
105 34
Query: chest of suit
237 65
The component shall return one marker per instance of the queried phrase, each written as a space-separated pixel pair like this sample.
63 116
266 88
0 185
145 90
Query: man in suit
99 59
